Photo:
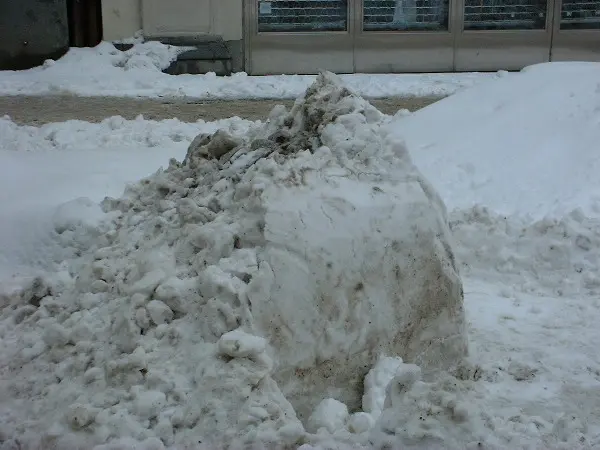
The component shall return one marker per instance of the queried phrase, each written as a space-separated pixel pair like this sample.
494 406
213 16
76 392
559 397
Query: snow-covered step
209 54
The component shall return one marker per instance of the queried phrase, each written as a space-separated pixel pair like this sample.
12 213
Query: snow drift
511 148
229 294
106 71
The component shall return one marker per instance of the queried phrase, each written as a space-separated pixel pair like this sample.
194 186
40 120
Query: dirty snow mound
228 295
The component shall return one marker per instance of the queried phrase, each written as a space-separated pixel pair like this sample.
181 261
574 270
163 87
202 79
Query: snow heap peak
225 297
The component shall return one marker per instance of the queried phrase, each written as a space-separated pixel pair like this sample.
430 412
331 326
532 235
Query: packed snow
514 160
106 71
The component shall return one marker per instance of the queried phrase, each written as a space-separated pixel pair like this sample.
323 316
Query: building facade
346 36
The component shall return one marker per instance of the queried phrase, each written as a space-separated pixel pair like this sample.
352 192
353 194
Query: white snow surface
106 71
521 145
515 162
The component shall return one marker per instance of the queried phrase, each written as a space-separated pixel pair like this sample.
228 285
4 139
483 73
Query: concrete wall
32 31
121 18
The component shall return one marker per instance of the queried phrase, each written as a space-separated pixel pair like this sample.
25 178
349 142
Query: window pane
405 15
303 15
505 14
580 15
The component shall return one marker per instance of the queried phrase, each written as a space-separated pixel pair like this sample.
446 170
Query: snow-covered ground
59 162
516 161
106 71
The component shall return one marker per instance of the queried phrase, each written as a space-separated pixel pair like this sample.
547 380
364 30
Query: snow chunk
329 414
360 422
238 344
149 404
79 416
422 414
148 283
56 335
159 312
376 383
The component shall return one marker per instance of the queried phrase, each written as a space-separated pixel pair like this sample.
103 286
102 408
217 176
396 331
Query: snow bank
226 296
521 145
106 71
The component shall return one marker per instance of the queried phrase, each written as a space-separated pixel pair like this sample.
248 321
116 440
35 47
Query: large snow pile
221 300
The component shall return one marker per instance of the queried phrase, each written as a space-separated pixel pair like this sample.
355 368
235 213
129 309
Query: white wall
185 17
176 17
120 18
228 19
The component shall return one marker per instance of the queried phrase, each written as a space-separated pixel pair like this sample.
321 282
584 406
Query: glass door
299 36
404 36
576 31
508 34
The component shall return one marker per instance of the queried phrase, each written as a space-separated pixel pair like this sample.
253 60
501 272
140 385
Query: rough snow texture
557 257
229 293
